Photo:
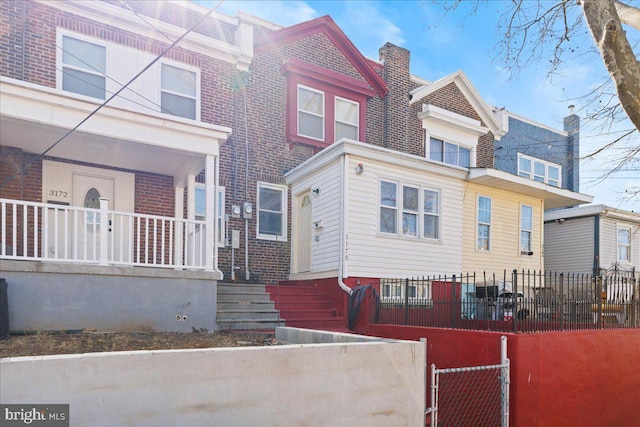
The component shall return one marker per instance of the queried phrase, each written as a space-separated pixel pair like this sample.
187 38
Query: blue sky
443 43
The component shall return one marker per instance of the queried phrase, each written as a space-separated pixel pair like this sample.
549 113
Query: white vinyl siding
569 245
609 244
375 254
144 94
326 207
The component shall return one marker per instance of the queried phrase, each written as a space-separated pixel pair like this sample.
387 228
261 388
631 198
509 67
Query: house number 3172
57 193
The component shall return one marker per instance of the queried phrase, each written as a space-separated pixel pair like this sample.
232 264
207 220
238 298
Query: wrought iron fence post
515 301
561 301
453 301
600 301
406 301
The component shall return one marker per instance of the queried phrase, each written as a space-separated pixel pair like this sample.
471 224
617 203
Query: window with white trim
449 153
526 228
624 244
310 113
200 210
347 116
178 91
539 170
388 207
272 211
417 209
84 66
431 209
484 223
417 291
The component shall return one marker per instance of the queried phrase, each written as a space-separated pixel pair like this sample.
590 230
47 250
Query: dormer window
323 105
449 153
539 170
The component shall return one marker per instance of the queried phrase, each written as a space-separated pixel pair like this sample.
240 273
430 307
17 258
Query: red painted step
305 306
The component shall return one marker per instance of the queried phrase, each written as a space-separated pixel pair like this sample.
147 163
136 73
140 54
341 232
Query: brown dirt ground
45 343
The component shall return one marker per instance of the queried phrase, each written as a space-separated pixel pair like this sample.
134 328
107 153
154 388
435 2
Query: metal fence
519 301
475 396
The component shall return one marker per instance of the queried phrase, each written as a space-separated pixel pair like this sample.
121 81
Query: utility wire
156 59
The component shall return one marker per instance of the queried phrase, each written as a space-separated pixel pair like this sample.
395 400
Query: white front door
75 235
87 191
302 242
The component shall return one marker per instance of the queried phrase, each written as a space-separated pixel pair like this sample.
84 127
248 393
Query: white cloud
369 22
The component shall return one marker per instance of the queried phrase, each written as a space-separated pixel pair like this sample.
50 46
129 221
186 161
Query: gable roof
471 94
330 29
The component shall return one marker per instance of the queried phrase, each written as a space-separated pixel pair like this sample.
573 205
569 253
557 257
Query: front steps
306 306
245 306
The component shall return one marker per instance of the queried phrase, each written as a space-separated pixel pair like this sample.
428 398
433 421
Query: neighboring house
538 152
107 211
592 239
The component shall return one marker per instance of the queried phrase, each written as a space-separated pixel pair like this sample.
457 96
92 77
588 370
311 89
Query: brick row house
247 153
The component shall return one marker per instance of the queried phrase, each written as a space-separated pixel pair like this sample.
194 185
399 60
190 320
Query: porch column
179 241
104 231
211 200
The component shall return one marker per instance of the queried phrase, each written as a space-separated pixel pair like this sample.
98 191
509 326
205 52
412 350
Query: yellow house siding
504 252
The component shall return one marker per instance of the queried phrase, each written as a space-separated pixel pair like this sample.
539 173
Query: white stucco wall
351 384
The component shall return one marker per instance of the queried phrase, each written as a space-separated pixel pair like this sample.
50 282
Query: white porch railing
49 232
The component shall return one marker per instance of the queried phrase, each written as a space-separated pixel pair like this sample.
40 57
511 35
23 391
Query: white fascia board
47 106
366 151
127 21
431 112
554 197
592 210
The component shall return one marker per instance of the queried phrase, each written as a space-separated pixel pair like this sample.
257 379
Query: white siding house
375 212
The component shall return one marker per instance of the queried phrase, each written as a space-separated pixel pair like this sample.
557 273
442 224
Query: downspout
343 223
596 245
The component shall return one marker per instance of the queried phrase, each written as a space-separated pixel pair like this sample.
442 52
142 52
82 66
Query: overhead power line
116 93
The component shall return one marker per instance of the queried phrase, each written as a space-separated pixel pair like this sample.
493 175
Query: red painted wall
580 378
576 378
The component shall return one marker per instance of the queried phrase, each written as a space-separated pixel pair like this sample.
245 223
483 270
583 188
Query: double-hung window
410 210
200 211
449 153
272 211
347 116
84 66
431 214
388 207
526 227
178 91
310 113
539 170
484 223
624 244
415 208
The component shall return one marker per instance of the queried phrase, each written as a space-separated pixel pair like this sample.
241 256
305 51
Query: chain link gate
476 396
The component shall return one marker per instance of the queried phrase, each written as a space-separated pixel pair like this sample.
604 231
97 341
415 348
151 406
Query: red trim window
324 106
